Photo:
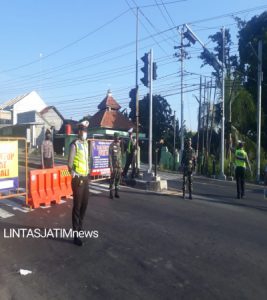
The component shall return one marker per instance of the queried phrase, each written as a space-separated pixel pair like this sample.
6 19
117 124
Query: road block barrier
48 186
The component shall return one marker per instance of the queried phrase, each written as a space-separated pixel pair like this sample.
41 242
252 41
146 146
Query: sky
72 52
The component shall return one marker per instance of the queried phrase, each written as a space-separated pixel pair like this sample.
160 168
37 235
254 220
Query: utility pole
182 89
136 99
259 111
199 117
222 176
150 111
174 131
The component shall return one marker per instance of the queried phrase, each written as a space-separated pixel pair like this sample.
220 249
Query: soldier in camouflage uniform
115 164
188 165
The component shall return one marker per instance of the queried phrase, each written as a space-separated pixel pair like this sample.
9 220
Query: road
150 246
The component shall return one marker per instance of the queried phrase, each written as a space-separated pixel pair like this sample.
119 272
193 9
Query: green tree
249 34
162 120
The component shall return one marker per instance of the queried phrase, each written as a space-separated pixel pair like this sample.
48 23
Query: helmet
83 125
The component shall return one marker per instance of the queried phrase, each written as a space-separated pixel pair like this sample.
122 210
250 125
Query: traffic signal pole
150 135
137 92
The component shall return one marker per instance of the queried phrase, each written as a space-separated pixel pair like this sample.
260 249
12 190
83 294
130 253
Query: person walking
241 161
115 166
78 165
47 151
188 165
130 153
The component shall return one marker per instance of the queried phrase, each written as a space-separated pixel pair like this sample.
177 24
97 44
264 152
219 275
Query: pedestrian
115 166
241 161
47 151
130 153
78 165
188 163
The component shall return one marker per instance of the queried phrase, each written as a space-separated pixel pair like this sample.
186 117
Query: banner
99 156
8 165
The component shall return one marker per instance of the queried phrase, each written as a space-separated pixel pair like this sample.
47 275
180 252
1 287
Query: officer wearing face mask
47 151
78 164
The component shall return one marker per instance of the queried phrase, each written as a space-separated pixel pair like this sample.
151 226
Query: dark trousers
115 178
187 177
240 181
80 191
48 162
129 161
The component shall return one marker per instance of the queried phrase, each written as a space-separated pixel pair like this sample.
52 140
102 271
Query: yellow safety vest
240 158
80 161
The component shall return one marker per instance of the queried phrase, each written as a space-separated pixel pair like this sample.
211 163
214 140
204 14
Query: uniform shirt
83 146
47 151
115 155
241 158
188 158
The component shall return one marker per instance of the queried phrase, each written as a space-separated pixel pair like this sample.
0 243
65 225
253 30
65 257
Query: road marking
94 192
16 206
4 214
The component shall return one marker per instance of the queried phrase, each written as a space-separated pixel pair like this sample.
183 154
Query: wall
31 102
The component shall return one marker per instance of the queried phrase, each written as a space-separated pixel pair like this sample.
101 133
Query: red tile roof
112 119
109 101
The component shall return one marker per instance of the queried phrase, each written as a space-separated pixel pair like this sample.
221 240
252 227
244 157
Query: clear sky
72 52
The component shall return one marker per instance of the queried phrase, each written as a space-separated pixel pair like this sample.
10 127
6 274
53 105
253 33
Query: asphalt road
150 246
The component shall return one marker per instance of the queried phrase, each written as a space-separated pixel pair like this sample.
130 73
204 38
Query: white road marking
4 214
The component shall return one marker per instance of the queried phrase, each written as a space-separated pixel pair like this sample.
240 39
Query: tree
251 32
162 119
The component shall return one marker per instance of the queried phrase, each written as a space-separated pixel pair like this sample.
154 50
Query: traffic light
145 69
154 74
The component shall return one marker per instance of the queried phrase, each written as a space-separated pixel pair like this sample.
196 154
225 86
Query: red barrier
49 185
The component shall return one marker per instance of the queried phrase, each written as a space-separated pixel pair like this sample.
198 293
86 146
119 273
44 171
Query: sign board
99 157
8 165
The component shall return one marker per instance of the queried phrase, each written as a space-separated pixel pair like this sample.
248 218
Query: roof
13 101
110 119
109 101
46 109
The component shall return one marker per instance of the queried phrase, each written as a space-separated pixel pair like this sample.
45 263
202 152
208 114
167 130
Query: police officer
241 160
130 154
188 165
78 164
115 166
47 151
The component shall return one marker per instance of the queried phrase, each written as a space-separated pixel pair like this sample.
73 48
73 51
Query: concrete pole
136 89
150 137
174 131
222 176
182 90
259 111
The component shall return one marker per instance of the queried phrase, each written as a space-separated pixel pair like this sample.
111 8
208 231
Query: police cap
83 125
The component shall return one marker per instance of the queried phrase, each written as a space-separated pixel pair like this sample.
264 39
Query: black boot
117 193
111 194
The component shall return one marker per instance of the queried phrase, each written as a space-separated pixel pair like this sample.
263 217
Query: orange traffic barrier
64 181
49 185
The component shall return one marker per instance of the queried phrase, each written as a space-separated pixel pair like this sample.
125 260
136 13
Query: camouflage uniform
115 167
188 165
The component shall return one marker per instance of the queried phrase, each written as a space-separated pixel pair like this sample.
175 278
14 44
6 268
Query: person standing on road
115 166
130 153
78 165
188 165
241 160
47 151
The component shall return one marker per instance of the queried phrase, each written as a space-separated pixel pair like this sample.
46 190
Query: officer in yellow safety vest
78 164
241 160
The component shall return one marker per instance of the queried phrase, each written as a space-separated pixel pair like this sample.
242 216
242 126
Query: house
24 103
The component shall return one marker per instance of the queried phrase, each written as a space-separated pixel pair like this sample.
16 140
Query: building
109 119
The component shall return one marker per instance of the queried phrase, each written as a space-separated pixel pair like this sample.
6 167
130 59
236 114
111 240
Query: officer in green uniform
115 164
188 165
241 160
78 164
